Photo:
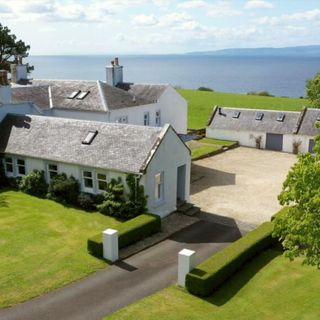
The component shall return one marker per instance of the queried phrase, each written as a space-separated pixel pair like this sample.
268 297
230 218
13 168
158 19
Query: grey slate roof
102 97
307 126
125 148
247 122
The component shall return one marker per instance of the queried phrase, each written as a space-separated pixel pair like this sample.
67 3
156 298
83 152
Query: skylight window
74 94
280 117
82 95
259 116
90 136
236 115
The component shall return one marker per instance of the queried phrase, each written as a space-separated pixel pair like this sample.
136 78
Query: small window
8 165
280 117
90 136
158 187
82 95
74 94
102 182
87 179
259 116
158 118
52 170
21 167
146 119
236 115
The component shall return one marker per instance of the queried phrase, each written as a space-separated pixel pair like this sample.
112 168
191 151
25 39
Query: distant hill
286 51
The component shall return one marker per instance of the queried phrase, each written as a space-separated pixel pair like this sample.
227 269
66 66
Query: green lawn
268 287
201 104
206 146
43 245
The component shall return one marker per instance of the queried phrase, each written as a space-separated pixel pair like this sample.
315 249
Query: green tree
313 91
298 227
11 48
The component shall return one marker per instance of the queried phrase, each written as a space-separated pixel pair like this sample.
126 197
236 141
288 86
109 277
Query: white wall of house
171 154
245 138
80 115
18 108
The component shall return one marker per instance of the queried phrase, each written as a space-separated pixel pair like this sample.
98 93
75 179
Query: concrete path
119 285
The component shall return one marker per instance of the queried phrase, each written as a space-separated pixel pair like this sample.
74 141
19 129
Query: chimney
18 71
114 73
5 87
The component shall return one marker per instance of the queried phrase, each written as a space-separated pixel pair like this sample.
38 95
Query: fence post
186 262
110 245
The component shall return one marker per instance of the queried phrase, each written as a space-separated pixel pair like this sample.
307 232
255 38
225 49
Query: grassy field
206 146
269 287
201 104
43 245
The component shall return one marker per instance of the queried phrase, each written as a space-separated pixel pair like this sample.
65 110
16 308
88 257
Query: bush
34 184
130 232
63 189
263 93
3 178
205 89
86 201
14 182
210 274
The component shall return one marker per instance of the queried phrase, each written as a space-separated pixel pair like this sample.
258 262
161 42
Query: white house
95 152
276 130
110 101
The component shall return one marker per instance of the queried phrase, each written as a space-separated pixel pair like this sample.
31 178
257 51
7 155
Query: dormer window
90 136
280 117
74 94
82 95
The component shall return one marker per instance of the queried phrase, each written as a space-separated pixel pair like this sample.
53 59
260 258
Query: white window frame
159 188
146 118
5 163
84 178
101 180
18 166
158 118
49 171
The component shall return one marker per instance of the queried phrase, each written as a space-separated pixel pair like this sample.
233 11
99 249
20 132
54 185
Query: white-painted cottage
276 130
110 101
95 152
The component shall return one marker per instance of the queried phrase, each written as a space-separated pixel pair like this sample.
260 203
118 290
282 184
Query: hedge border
130 232
210 274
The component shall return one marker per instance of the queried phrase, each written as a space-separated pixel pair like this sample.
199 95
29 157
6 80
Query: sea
280 76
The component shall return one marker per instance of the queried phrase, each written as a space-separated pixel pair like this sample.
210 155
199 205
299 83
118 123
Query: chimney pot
116 61
112 63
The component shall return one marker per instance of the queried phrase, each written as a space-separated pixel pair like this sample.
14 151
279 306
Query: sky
159 26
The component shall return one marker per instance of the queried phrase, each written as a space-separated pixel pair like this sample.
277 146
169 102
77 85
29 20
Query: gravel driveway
242 183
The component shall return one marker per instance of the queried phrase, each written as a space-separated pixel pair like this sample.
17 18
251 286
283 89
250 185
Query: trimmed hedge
210 274
130 232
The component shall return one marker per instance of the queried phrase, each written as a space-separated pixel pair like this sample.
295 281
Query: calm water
281 76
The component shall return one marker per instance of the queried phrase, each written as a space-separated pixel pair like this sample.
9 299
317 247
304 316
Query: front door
274 141
181 183
311 145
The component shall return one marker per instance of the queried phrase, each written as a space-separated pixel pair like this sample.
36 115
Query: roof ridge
259 110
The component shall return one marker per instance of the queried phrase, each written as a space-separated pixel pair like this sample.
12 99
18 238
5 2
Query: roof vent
90 136
236 115
74 94
259 116
280 117
82 95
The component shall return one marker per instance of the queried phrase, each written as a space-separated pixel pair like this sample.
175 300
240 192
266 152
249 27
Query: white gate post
110 245
186 262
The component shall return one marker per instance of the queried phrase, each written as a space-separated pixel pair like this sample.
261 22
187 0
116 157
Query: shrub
64 189
14 182
205 89
86 201
34 184
130 232
113 199
263 93
3 178
137 202
210 274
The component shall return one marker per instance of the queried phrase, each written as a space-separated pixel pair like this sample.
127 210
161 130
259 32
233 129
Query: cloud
259 4
192 4
144 20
